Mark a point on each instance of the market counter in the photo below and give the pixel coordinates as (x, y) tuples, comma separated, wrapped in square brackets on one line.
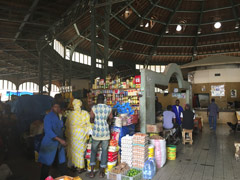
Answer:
[(224, 116)]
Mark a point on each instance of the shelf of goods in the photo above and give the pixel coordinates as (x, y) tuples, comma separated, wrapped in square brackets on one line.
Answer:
[(112, 96)]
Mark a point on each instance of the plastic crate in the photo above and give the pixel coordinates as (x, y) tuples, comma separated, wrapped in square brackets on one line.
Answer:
[(113, 176), (137, 177)]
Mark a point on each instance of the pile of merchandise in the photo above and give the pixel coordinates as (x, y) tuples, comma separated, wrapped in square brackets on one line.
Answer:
[(88, 157), (133, 82), (118, 171), (126, 115), (112, 154), (126, 150), (140, 150)]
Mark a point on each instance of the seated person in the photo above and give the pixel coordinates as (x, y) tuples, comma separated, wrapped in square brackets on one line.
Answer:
[(187, 117), (169, 118)]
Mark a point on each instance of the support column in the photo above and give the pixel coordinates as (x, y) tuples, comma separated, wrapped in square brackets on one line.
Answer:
[(107, 12), (93, 42), (50, 79), (40, 73), (70, 68), (64, 68)]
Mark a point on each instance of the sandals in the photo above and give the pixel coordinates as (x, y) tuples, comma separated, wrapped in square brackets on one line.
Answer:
[(90, 175), (81, 170), (101, 174)]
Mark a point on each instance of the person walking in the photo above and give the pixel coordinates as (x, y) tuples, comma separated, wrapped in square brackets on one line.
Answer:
[(100, 115), (78, 127), (213, 114), (53, 143)]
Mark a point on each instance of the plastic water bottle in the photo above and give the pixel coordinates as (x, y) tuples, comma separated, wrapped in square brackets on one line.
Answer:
[(154, 165), (148, 169)]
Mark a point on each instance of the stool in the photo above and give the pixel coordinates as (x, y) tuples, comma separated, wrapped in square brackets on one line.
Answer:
[(166, 133), (184, 132)]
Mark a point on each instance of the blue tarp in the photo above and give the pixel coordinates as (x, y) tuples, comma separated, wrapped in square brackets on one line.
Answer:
[(29, 109)]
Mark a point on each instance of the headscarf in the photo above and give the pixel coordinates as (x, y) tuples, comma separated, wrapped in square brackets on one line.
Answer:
[(77, 104)]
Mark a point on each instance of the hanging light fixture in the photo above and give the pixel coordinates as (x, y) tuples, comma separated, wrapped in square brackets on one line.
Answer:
[(199, 31), (167, 30), (147, 25), (127, 10), (237, 25), (178, 28), (217, 25), (141, 23)]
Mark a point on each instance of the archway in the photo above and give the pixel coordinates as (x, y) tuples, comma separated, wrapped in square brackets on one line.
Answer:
[(28, 88), (54, 89), (6, 89), (149, 80)]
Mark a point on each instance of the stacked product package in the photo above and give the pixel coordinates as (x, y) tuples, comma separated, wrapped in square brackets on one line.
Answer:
[(126, 149), (112, 154), (140, 150)]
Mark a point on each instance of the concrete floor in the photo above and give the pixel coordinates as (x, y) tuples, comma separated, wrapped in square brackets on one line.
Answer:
[(211, 157)]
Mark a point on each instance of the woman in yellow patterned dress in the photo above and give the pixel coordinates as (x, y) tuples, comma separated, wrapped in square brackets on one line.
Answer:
[(77, 129)]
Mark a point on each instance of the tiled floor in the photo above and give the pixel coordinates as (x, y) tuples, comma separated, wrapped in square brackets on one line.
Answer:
[(211, 157)]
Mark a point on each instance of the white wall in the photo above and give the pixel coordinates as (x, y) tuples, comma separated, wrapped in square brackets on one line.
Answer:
[(208, 76), (78, 84)]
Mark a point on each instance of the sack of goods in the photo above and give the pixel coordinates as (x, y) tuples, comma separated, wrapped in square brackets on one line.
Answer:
[(140, 150), (160, 150), (126, 147)]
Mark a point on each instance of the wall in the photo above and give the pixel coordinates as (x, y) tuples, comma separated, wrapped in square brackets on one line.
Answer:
[(167, 99), (221, 101), (224, 117), (228, 74), (78, 84)]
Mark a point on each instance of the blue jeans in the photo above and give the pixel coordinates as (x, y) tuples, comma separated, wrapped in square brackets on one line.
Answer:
[(212, 122), (94, 150)]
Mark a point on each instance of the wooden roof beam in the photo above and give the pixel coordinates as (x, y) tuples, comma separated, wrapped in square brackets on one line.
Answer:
[(235, 14), (26, 18), (145, 14), (194, 53), (161, 33), (189, 11)]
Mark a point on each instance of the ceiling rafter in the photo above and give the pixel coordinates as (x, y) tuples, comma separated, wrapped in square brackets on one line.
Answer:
[(145, 14), (235, 14), (26, 18), (194, 51), (88, 28), (189, 11), (161, 32)]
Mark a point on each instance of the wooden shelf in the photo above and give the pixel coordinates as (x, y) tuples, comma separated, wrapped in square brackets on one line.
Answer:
[(118, 89)]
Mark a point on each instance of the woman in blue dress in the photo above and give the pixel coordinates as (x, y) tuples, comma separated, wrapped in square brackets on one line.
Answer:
[(53, 143)]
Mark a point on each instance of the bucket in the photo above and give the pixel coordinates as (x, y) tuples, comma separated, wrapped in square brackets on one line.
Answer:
[(111, 165), (171, 152), (96, 168)]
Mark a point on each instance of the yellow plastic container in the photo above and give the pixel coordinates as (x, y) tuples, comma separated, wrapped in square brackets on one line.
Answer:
[(151, 151), (171, 152), (111, 165), (96, 168)]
